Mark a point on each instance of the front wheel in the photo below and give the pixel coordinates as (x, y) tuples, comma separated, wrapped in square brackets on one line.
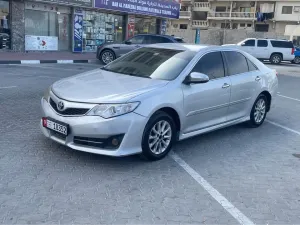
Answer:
[(107, 56), (276, 59), (258, 112), (159, 136)]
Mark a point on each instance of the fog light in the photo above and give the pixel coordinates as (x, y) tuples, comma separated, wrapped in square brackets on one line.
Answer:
[(115, 142)]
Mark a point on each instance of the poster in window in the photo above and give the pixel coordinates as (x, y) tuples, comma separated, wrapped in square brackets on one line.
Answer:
[(130, 26), (41, 43)]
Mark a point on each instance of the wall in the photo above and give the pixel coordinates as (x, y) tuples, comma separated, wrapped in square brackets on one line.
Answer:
[(295, 16), (18, 26), (220, 36)]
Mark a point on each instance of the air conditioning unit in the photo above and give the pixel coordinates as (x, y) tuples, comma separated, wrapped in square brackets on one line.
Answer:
[(296, 9)]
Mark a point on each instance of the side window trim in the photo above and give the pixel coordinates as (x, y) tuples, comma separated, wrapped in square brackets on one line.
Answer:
[(200, 57)]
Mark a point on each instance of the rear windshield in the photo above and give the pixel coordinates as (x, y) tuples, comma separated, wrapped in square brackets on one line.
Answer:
[(154, 63), (282, 44)]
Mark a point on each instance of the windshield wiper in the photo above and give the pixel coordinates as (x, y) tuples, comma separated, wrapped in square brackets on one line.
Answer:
[(135, 75)]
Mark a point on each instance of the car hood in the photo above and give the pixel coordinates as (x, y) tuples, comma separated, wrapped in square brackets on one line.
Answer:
[(99, 86), (230, 45)]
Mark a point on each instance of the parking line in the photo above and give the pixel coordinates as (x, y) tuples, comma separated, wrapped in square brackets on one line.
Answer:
[(228, 206), (8, 87), (283, 127), (295, 99)]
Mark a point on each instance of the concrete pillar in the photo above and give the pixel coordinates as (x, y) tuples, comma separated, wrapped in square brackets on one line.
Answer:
[(18, 26)]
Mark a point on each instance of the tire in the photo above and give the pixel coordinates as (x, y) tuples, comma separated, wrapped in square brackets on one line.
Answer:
[(276, 58), (107, 56), (156, 123), (256, 116), (297, 60)]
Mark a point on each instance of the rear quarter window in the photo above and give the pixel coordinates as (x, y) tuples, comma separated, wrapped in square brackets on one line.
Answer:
[(282, 44)]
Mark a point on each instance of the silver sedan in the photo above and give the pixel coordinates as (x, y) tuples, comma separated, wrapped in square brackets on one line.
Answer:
[(145, 101)]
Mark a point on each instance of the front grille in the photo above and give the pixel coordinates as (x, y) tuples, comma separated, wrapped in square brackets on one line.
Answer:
[(69, 111)]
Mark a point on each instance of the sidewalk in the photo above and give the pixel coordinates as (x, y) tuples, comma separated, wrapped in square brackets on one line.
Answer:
[(46, 57)]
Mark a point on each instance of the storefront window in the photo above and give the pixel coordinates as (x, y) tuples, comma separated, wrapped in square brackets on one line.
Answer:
[(99, 28), (4, 25), (145, 26), (50, 21)]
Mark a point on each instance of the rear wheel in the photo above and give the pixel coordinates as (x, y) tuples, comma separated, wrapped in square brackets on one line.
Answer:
[(159, 136), (107, 56), (297, 60), (276, 59), (259, 111)]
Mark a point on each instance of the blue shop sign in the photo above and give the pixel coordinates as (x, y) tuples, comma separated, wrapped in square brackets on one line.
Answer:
[(78, 31), (159, 8)]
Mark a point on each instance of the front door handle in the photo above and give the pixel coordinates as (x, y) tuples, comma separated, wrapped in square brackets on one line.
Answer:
[(257, 78), (226, 85)]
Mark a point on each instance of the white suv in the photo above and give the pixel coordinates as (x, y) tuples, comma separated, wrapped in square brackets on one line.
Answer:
[(268, 49)]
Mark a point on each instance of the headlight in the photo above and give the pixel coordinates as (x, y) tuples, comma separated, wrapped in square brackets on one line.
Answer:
[(47, 94), (111, 110)]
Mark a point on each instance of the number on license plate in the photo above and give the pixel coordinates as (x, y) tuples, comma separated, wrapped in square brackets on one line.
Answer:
[(55, 126)]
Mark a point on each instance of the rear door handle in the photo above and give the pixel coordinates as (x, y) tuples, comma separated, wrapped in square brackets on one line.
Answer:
[(226, 85), (257, 78)]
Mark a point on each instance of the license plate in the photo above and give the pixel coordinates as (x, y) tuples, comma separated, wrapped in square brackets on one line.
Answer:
[(57, 126)]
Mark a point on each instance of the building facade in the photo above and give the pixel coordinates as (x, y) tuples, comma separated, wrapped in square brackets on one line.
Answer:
[(78, 25), (277, 16)]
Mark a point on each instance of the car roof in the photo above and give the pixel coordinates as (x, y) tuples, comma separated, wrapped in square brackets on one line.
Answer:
[(160, 35), (191, 47), (270, 39)]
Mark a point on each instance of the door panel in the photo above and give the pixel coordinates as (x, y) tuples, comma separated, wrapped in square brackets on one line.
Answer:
[(244, 85), (262, 49), (205, 104)]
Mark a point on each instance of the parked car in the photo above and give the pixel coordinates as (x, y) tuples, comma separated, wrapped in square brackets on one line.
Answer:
[(297, 56), (153, 96), (268, 49), (106, 53)]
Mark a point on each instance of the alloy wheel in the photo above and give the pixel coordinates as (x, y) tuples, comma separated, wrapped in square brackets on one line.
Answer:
[(160, 137), (276, 59), (107, 57), (297, 60), (260, 110)]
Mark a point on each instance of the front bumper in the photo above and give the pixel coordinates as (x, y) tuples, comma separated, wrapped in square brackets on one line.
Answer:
[(131, 125)]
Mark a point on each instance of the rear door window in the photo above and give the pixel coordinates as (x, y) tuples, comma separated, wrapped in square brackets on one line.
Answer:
[(237, 63), (262, 43)]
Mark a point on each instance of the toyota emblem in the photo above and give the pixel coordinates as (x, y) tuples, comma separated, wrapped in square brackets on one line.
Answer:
[(60, 106)]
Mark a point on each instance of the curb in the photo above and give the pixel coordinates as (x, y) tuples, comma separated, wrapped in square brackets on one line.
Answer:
[(63, 61)]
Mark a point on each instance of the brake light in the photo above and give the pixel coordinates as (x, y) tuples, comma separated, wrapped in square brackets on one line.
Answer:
[(293, 51)]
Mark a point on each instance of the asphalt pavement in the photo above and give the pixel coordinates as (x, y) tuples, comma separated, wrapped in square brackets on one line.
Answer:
[(235, 175)]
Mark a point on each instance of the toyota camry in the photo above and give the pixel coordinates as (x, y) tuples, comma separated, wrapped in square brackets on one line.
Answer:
[(145, 101)]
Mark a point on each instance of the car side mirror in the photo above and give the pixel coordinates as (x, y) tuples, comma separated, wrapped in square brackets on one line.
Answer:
[(128, 42), (196, 78), (243, 44)]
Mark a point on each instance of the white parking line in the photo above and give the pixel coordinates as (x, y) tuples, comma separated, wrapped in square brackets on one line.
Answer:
[(283, 127), (295, 99), (8, 87), (228, 206)]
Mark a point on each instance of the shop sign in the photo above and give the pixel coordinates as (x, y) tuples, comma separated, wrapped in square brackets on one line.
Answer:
[(86, 3), (165, 9), (41, 43), (130, 26), (78, 32)]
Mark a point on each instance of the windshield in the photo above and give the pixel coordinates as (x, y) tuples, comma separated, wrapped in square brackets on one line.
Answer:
[(154, 63), (179, 40)]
